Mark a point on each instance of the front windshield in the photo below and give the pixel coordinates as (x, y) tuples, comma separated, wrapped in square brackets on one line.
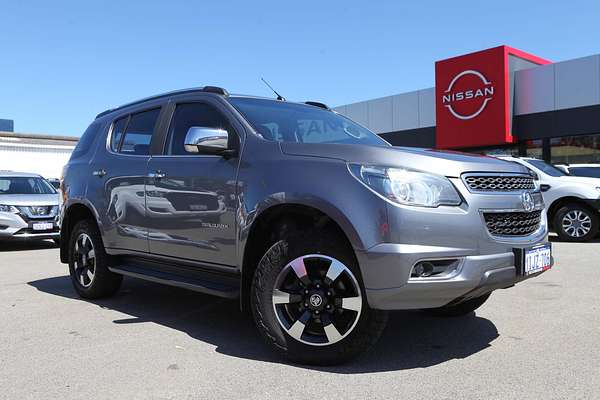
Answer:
[(290, 122), (546, 168), (24, 185), (589, 172)]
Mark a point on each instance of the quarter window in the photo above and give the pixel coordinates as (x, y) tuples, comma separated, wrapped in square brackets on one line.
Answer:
[(193, 114), (138, 133), (117, 133)]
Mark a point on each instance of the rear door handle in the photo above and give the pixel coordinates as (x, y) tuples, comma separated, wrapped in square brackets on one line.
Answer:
[(157, 175), (99, 172)]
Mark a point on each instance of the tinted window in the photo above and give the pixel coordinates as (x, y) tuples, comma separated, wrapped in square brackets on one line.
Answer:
[(546, 168), (25, 185), (590, 172), (193, 114), (138, 133), (86, 140), (117, 133), (291, 122)]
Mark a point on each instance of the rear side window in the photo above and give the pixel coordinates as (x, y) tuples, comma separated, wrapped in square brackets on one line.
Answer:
[(138, 133), (193, 114), (86, 140), (117, 133)]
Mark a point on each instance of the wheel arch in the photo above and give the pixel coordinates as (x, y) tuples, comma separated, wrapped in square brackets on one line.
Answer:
[(272, 223), (74, 213)]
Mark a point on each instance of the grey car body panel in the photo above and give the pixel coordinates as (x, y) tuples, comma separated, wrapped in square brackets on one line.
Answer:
[(388, 239), (451, 164)]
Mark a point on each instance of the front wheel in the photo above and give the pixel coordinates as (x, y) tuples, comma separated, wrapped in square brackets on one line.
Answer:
[(576, 223), (309, 304)]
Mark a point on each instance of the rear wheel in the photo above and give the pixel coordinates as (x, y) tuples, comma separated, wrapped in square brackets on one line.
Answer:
[(88, 263), (576, 223), (458, 310), (309, 304)]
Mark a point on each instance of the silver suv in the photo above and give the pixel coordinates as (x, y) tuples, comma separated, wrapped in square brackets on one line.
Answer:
[(28, 207), (316, 224)]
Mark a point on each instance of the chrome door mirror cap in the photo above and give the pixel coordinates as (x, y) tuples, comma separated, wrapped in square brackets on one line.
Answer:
[(206, 140)]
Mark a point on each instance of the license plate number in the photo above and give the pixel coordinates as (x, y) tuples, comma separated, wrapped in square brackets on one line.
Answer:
[(537, 259), (43, 226)]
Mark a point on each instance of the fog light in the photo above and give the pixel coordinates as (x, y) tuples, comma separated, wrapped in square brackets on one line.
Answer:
[(434, 268), (423, 269)]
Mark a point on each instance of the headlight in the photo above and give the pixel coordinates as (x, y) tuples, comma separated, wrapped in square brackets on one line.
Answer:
[(8, 209), (405, 186)]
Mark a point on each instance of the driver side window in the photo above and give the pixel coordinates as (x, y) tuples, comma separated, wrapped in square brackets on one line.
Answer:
[(193, 114)]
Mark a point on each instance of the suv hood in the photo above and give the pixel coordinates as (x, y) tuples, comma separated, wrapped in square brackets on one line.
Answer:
[(448, 163), (29, 199)]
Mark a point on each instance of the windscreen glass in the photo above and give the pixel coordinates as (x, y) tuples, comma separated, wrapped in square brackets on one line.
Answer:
[(546, 168), (290, 122), (25, 185)]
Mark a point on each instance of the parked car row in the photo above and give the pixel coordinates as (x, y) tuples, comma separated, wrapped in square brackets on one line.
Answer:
[(317, 225), (572, 203)]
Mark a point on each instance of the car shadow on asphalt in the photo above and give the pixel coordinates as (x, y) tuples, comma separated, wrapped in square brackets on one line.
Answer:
[(26, 245), (411, 340)]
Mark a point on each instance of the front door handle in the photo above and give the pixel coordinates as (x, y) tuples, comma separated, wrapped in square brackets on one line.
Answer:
[(99, 172), (157, 175)]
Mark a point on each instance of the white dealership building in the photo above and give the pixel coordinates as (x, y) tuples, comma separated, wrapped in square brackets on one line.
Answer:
[(42, 154)]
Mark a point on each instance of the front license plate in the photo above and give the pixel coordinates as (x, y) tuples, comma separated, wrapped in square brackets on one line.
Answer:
[(537, 259), (43, 226)]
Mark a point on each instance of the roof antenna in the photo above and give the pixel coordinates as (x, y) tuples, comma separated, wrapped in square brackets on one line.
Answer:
[(279, 97)]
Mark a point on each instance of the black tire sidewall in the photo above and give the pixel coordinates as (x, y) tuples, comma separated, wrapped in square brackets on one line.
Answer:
[(572, 207), (365, 333), (105, 282)]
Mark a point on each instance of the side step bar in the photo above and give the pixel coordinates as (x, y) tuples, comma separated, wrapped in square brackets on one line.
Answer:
[(226, 288)]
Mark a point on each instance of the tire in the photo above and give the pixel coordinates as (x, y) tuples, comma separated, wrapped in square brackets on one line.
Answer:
[(84, 239), (56, 241), (458, 310), (360, 329), (576, 223)]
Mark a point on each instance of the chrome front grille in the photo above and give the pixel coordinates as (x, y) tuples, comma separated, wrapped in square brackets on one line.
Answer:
[(498, 183), (512, 223)]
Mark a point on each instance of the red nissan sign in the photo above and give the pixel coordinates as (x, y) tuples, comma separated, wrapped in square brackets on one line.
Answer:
[(472, 102)]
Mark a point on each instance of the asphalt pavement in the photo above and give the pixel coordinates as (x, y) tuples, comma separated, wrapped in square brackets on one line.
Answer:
[(538, 340)]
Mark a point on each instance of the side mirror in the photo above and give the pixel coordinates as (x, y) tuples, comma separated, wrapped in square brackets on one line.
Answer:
[(207, 140)]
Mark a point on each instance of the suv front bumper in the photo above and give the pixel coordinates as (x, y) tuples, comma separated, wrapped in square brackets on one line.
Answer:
[(475, 275), (13, 226)]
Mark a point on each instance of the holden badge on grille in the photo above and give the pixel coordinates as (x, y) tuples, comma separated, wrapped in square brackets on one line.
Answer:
[(528, 202)]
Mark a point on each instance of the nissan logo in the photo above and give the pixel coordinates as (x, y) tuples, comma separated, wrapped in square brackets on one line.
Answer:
[(483, 93)]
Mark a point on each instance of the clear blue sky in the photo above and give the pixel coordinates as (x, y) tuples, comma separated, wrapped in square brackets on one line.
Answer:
[(63, 62)]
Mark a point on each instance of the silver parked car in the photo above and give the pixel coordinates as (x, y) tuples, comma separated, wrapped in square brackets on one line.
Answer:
[(316, 224), (28, 207)]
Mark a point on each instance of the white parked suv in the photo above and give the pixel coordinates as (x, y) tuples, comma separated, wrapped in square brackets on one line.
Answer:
[(573, 202)]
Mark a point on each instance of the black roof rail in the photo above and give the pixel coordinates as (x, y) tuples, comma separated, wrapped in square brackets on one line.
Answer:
[(207, 89), (215, 89), (317, 104)]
